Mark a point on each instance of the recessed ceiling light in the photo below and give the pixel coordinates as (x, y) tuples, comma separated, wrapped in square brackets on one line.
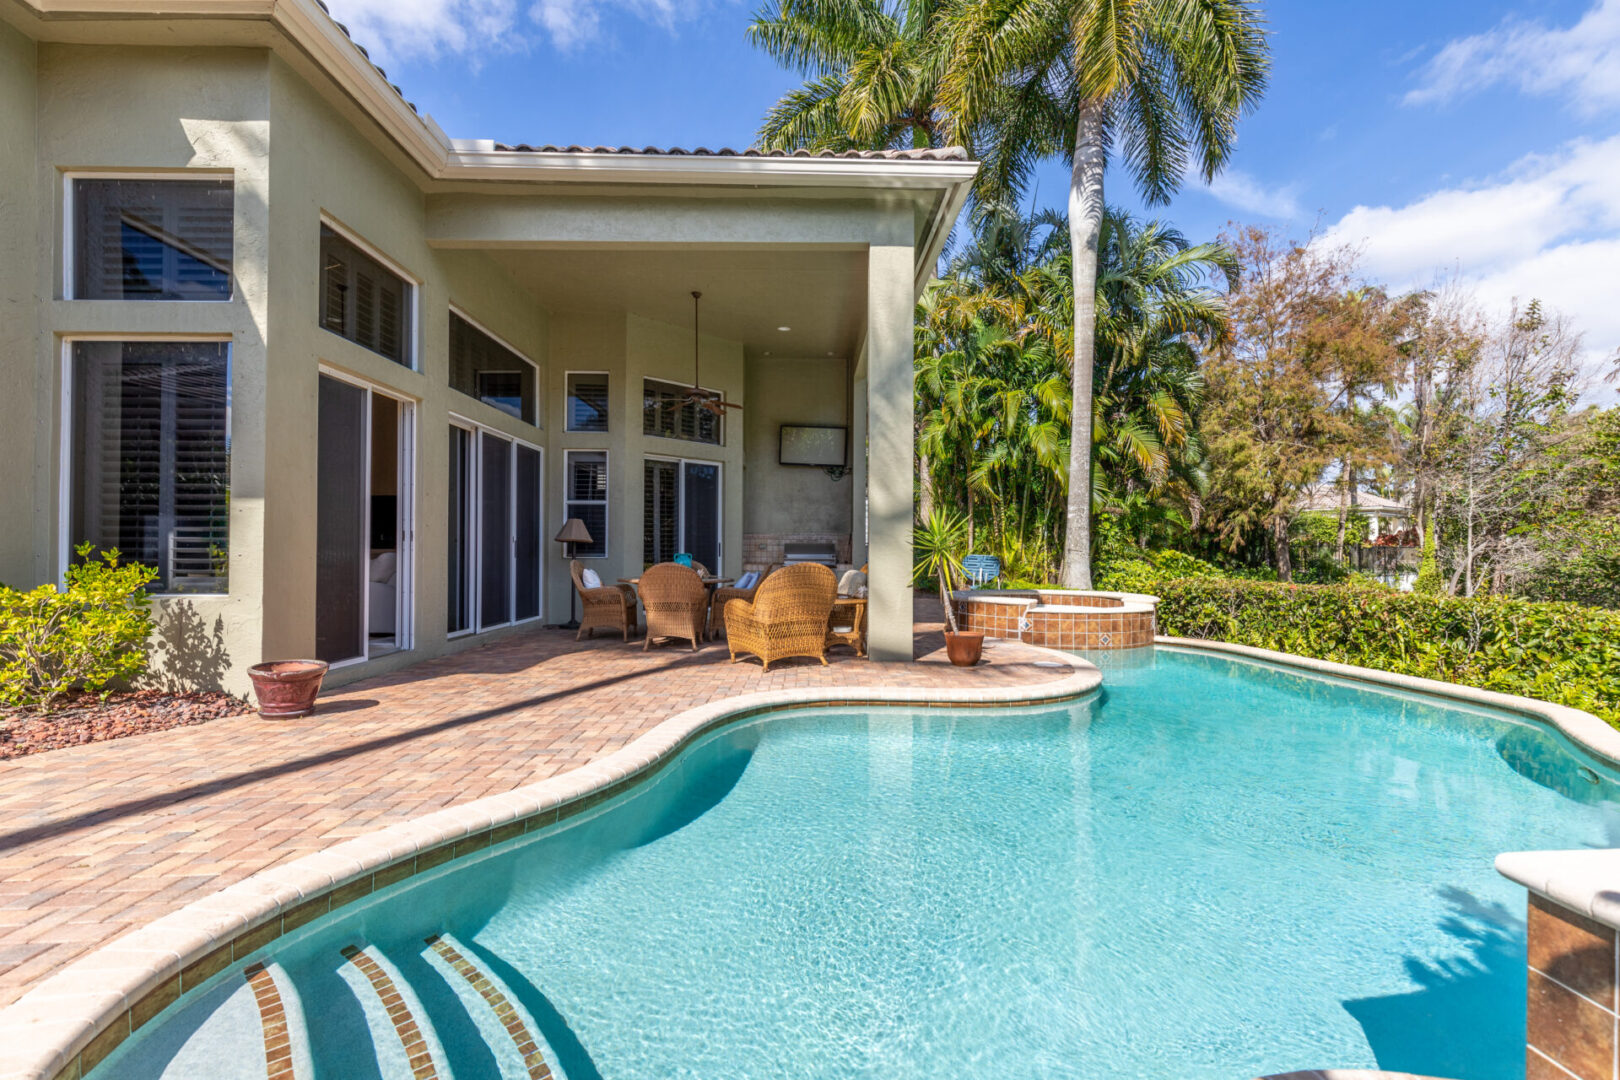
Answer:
[(784, 329)]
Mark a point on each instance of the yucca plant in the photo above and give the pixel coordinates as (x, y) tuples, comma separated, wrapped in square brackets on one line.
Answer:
[(938, 543)]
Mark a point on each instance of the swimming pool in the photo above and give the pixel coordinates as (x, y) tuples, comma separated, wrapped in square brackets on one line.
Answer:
[(1214, 868)]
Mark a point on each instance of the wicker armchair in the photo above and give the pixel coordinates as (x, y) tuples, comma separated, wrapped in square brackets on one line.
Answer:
[(676, 603), (787, 617), (727, 593), (606, 605), (847, 625)]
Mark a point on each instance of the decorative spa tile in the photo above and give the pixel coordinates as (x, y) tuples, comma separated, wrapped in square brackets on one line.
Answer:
[(415, 1046), (1570, 1030), (1572, 950), (505, 1013)]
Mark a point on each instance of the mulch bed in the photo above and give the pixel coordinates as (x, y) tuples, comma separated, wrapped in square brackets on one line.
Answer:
[(83, 718)]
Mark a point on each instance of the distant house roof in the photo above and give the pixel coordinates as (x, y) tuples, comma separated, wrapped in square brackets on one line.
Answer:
[(1325, 497), (947, 153)]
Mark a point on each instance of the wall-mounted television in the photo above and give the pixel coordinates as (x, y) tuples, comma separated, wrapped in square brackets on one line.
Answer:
[(819, 446)]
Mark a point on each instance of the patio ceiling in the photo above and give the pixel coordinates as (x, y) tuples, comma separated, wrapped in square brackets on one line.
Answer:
[(819, 293)]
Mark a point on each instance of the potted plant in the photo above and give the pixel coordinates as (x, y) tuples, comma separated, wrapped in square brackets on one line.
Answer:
[(938, 545), (287, 688)]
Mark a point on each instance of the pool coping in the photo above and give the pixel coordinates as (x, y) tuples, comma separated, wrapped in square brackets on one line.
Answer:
[(1130, 603), (69, 1022), (1585, 880)]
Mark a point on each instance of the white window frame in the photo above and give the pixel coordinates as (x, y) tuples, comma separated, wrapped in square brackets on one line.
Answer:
[(475, 565), (608, 375), (539, 388), (607, 500), (720, 420), (680, 504), (413, 328), (64, 453), (404, 499), (70, 237)]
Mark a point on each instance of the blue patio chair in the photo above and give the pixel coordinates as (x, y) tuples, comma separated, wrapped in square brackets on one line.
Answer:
[(982, 569)]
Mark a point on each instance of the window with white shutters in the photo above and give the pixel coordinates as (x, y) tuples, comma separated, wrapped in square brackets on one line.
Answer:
[(151, 239), (585, 480), (151, 457), (668, 412), (364, 301), (587, 401)]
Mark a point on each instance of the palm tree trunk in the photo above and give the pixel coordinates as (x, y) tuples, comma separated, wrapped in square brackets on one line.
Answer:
[(1085, 229)]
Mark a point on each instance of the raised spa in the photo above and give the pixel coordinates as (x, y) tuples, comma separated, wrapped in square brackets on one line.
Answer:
[(1211, 869)]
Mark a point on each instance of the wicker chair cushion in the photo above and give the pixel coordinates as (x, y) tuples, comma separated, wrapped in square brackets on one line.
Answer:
[(590, 579), (851, 581), (747, 580)]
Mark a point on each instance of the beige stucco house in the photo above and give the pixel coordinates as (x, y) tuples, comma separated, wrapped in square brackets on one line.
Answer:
[(342, 378)]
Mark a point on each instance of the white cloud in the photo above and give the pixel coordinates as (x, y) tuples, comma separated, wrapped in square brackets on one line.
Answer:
[(1582, 61), (393, 30), (1241, 191), (1548, 227)]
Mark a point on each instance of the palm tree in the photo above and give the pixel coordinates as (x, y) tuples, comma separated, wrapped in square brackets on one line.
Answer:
[(872, 74), (1160, 83)]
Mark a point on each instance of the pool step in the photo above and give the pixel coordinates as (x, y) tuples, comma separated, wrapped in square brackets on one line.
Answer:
[(406, 1043), (506, 1026), (281, 1022)]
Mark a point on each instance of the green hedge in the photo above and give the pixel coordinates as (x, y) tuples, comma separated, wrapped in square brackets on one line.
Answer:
[(1563, 653)]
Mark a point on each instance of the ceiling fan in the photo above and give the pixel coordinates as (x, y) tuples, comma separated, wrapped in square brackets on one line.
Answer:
[(709, 400)]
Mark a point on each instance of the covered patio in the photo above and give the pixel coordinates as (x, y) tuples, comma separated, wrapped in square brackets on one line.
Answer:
[(807, 272)]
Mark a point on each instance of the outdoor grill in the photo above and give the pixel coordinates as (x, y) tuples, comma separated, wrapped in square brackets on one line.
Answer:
[(813, 551)]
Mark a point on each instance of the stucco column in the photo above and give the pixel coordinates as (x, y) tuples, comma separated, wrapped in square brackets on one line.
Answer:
[(857, 472), (890, 472)]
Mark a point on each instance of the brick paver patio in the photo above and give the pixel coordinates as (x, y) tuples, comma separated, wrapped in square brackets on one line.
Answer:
[(98, 839)]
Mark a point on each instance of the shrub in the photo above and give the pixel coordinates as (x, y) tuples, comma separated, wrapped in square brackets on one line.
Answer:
[(1558, 652), (86, 636)]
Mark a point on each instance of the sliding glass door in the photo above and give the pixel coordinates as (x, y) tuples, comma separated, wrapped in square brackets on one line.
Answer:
[(340, 522), (495, 531), (497, 536), (681, 511), (363, 521)]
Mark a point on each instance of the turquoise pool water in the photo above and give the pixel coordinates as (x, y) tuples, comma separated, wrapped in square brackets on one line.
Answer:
[(1214, 869)]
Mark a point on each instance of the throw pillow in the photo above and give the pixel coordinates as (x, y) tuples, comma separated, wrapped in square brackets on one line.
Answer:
[(590, 579)]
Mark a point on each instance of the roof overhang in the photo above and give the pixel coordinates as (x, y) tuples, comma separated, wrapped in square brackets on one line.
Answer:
[(941, 186)]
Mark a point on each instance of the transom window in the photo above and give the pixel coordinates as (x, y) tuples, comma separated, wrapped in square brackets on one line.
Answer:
[(587, 401), (364, 301), (668, 412), (151, 239), (585, 493), (483, 368), (151, 458)]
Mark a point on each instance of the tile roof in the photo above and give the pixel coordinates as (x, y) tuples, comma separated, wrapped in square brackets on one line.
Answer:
[(948, 153)]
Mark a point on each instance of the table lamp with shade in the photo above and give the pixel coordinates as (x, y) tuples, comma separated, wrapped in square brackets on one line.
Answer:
[(572, 534)]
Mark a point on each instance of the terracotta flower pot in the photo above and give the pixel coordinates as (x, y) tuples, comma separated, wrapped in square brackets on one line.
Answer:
[(964, 647), (287, 687)]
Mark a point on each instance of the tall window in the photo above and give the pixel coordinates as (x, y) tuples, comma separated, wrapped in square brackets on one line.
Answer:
[(151, 457), (483, 368), (151, 239), (585, 492), (667, 411), (587, 401), (363, 300)]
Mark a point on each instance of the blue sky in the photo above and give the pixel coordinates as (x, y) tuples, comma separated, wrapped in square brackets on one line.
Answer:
[(1469, 138)]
